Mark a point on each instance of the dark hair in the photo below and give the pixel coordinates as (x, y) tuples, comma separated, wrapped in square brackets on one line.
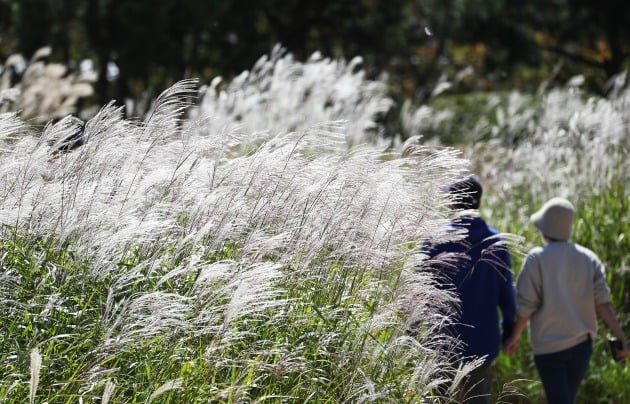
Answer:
[(467, 193)]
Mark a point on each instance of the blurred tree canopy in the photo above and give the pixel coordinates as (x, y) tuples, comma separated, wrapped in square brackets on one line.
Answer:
[(477, 44)]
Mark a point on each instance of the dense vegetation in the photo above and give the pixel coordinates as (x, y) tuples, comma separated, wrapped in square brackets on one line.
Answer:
[(207, 258), (252, 245), (257, 236)]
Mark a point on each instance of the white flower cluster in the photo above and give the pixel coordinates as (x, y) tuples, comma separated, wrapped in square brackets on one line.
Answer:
[(282, 190), (282, 95), (576, 147)]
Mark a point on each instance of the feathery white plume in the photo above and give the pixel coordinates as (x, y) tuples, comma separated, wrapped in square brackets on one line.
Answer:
[(36, 367)]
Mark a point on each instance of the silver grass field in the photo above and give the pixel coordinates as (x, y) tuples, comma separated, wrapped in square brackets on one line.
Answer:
[(259, 240)]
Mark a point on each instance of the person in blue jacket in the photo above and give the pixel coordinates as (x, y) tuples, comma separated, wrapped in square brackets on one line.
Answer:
[(478, 270)]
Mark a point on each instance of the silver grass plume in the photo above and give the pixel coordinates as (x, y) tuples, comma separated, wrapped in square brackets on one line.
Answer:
[(167, 110), (561, 142), (281, 94), (577, 148), (10, 390), (168, 386), (252, 291), (45, 91), (36, 367), (108, 391), (153, 203), (461, 372)]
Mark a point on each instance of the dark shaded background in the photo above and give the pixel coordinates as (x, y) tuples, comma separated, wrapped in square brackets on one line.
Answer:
[(507, 44)]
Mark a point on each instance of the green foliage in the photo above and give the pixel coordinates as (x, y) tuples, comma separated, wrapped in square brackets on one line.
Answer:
[(475, 118), (468, 110), (46, 304), (52, 301)]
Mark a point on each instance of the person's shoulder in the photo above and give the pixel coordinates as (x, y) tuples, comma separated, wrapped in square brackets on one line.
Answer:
[(492, 230), (584, 250), (536, 251), (587, 252), (534, 254)]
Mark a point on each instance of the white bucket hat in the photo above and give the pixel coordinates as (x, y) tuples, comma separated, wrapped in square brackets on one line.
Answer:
[(555, 219)]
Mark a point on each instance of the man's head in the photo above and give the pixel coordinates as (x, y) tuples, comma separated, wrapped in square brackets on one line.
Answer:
[(555, 219), (467, 194)]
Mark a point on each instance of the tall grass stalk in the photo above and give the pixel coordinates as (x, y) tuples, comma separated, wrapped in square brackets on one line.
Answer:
[(36, 368), (240, 264)]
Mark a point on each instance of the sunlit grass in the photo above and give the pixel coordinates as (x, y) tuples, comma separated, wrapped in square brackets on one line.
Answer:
[(256, 251), (171, 260)]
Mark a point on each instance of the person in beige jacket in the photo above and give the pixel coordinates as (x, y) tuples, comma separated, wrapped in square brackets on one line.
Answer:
[(561, 290)]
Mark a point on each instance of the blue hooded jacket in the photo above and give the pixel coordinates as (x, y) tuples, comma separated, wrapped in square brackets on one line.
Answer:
[(478, 269)]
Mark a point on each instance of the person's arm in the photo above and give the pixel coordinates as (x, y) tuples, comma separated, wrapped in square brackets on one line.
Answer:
[(509, 347), (606, 312), (527, 299)]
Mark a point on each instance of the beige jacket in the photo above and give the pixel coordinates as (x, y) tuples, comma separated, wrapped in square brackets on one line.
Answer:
[(559, 286)]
